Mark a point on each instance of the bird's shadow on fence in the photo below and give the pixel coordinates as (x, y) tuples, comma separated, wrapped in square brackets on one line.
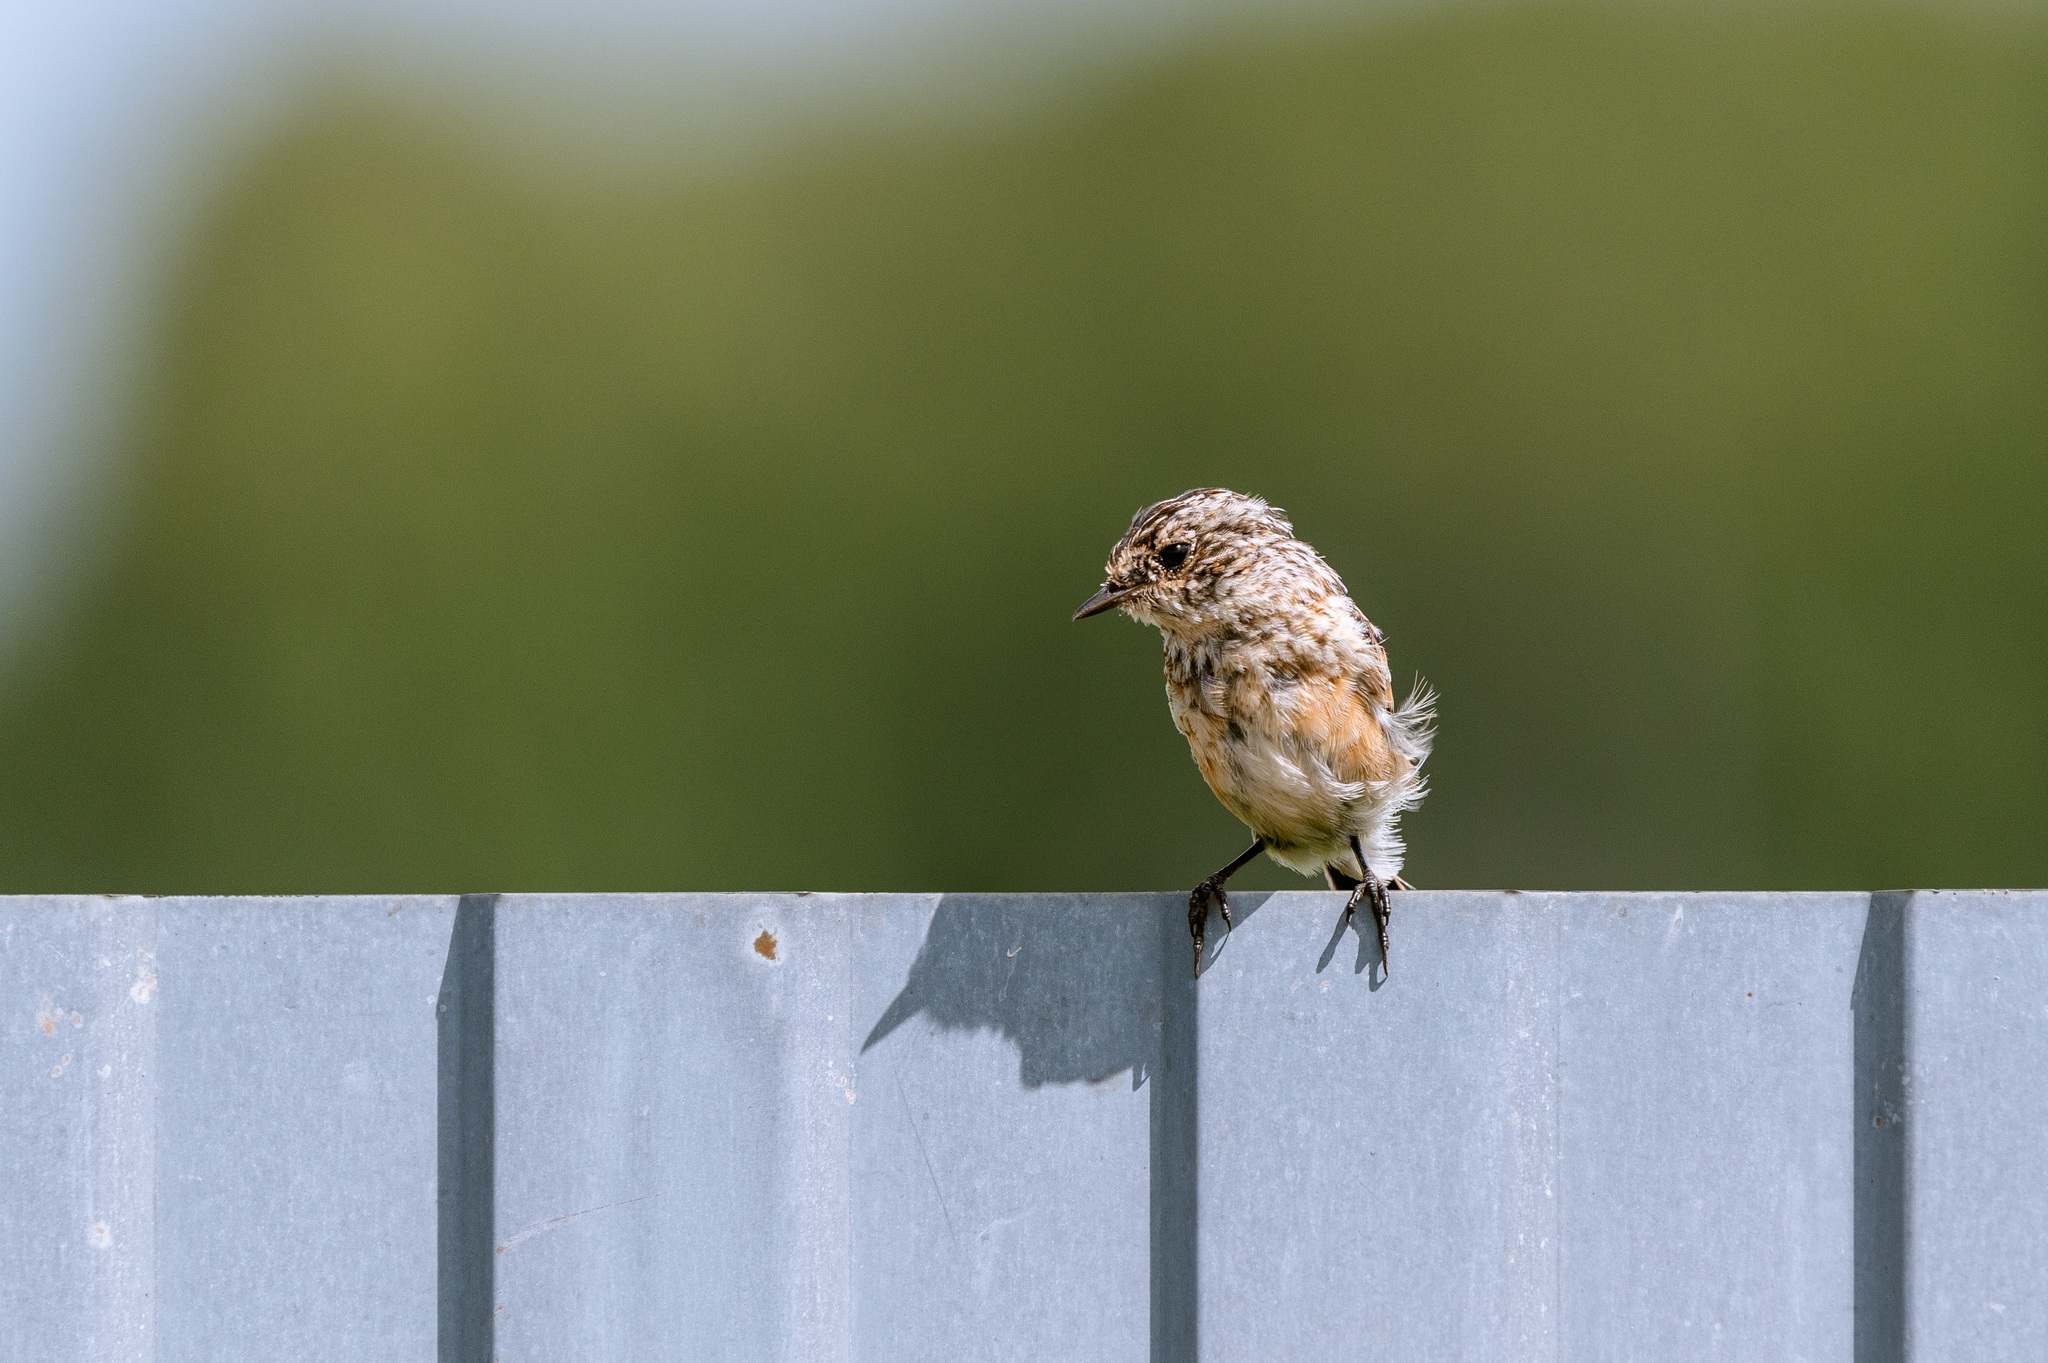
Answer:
[(1368, 948), (1087, 988)]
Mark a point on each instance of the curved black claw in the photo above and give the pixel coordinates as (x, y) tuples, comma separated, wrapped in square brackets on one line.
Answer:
[(1198, 914), (1372, 891), (1381, 911)]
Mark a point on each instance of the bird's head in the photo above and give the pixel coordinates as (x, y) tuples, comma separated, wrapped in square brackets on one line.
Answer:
[(1209, 560)]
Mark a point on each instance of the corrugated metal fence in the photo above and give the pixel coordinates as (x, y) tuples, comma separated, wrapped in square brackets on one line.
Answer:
[(899, 1127)]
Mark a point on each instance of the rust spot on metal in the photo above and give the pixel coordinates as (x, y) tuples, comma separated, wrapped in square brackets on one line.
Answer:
[(765, 944)]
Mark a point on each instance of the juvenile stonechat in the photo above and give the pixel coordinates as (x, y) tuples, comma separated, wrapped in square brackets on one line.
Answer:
[(1280, 686)]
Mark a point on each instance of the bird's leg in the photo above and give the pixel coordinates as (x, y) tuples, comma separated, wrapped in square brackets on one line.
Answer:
[(1373, 891), (1212, 888)]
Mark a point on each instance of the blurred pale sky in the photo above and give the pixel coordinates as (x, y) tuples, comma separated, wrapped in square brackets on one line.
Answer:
[(113, 116)]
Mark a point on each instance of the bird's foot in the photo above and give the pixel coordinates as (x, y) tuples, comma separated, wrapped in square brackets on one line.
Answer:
[(1198, 913), (1371, 891)]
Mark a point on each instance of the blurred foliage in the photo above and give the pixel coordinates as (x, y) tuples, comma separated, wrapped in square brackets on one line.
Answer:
[(1670, 384)]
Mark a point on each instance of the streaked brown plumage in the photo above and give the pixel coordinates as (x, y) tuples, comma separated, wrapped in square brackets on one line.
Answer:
[(1280, 685)]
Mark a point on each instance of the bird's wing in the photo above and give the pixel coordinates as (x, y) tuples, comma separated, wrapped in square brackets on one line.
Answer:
[(1334, 721)]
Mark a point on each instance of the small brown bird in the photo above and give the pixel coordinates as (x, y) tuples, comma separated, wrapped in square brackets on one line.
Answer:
[(1280, 685)]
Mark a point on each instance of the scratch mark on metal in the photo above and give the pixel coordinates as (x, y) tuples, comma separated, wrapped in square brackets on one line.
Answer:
[(930, 1172), (560, 1221)]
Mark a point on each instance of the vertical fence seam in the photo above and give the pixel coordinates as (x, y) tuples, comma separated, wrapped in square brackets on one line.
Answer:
[(466, 1119), (1883, 1131)]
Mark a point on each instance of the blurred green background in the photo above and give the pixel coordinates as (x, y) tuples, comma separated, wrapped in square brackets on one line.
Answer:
[(1670, 383)]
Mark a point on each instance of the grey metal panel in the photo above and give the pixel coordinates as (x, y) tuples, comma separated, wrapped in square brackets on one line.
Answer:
[(295, 1149), (78, 1091), (1706, 1144), (696, 1159), (1976, 1125), (1584, 1127), (1377, 1160), (1003, 1140), (673, 1127), (219, 1138)]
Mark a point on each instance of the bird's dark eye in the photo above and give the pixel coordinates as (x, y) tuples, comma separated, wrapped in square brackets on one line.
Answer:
[(1173, 555)]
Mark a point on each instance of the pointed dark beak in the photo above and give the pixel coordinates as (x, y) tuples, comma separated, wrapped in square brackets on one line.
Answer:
[(1103, 600)]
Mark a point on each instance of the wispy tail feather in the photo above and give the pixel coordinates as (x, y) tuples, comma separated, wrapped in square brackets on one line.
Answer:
[(1413, 726)]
